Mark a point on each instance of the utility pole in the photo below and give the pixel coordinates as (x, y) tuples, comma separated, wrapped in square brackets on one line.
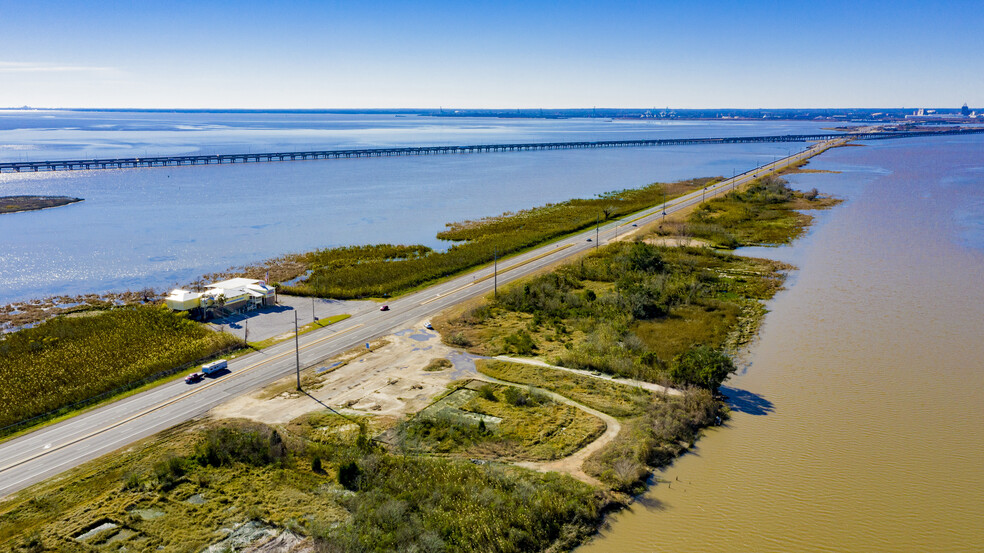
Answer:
[(597, 230), (703, 194), (246, 336), (313, 317), (664, 204), (495, 273), (297, 352)]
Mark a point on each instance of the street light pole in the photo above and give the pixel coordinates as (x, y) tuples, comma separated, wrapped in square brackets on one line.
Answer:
[(597, 230), (495, 272), (297, 352)]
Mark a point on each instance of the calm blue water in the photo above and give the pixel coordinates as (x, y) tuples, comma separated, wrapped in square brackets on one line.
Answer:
[(166, 226), (940, 181)]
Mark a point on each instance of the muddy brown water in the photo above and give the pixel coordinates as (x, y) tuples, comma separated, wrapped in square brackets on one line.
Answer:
[(859, 414)]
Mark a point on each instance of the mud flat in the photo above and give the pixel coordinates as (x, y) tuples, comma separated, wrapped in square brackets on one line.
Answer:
[(16, 204)]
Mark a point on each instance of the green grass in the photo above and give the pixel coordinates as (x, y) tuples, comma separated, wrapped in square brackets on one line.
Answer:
[(612, 398), (69, 359), (706, 323), (382, 270), (176, 491), (665, 430), (502, 422), (763, 213), (627, 309), (655, 428), (69, 413)]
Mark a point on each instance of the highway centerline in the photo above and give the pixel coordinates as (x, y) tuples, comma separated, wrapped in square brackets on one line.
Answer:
[(67, 459), (173, 400)]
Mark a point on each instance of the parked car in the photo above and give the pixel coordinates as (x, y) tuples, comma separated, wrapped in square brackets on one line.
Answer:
[(384, 308), (429, 326), (193, 377)]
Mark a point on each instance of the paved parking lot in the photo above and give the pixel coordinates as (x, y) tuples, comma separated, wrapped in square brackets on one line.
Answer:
[(279, 319)]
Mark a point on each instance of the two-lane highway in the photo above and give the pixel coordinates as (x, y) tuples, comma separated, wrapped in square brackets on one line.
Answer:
[(59, 447)]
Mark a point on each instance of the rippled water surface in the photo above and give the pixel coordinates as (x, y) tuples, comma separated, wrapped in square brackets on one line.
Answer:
[(164, 226), (859, 418)]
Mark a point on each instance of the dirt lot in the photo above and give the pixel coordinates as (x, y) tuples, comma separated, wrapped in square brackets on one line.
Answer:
[(389, 380)]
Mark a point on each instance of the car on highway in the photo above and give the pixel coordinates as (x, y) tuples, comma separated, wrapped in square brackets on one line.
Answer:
[(384, 308), (589, 240), (193, 377)]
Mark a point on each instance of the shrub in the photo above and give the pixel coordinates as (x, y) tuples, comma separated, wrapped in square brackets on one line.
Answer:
[(348, 475), (132, 481), (703, 367), (520, 342), (256, 446), (168, 472), (432, 505), (522, 397), (438, 364), (487, 392)]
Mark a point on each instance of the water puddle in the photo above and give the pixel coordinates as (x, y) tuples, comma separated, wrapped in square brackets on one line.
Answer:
[(101, 527)]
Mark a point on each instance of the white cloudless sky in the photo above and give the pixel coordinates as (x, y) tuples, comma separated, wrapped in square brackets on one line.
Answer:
[(714, 54)]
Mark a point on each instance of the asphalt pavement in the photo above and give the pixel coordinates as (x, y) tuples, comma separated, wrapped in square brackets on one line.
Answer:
[(56, 448)]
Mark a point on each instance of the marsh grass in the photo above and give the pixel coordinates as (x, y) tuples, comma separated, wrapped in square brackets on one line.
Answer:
[(386, 269), (69, 359), (669, 426), (708, 322), (766, 212), (616, 399), (627, 309), (164, 498), (501, 422)]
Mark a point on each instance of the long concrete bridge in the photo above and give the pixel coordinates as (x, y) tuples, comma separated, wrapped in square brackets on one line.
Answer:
[(175, 161)]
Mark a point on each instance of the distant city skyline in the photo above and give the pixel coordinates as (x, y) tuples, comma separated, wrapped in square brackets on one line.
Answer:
[(310, 55)]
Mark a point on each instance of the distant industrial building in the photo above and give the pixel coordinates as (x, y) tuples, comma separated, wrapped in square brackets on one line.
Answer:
[(236, 295), (933, 116)]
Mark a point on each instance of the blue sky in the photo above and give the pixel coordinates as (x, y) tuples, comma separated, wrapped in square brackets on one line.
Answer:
[(246, 54)]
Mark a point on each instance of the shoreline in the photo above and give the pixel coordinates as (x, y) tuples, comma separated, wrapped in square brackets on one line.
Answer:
[(9, 204), (608, 504)]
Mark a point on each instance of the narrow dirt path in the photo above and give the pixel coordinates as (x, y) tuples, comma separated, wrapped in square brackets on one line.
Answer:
[(626, 381), (572, 464)]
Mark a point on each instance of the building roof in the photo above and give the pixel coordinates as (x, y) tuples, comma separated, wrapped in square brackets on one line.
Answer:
[(261, 288), (183, 295), (234, 283)]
